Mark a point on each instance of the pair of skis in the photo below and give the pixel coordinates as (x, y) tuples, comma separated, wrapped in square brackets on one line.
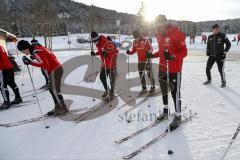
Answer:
[(146, 96), (92, 110), (153, 141), (35, 119), (87, 112)]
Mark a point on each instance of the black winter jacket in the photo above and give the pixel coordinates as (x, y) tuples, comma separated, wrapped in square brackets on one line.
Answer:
[(215, 46)]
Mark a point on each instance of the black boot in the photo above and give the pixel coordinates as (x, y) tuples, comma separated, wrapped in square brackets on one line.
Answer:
[(105, 94), (50, 113), (175, 123), (5, 105), (143, 91), (223, 84), (152, 90), (164, 115), (17, 100), (60, 110), (111, 94), (207, 82)]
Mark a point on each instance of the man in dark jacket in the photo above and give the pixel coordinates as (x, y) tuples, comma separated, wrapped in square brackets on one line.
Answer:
[(217, 53)]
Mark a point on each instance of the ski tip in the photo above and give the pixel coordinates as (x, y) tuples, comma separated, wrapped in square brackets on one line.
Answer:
[(126, 157), (118, 141), (129, 156)]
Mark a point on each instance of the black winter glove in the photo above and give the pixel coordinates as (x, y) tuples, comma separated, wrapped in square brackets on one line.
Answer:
[(93, 53), (26, 61), (224, 55), (149, 55), (32, 57), (128, 52), (168, 56), (104, 53)]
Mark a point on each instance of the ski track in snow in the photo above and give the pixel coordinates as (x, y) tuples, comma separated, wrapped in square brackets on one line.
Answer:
[(204, 138)]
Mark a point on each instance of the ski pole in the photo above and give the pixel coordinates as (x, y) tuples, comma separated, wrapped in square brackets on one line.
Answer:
[(129, 79), (149, 76), (92, 72), (105, 68), (231, 142), (39, 106), (168, 108), (23, 72)]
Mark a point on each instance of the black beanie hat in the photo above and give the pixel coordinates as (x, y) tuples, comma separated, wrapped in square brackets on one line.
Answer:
[(35, 42), (136, 34), (161, 20), (215, 26), (22, 45), (94, 36)]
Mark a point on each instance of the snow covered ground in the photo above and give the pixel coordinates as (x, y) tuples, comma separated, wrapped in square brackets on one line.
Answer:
[(205, 137)]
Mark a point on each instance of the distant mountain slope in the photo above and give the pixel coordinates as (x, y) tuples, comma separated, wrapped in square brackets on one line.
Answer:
[(57, 17)]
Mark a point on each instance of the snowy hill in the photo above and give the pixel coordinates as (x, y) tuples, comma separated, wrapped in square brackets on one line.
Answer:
[(205, 137)]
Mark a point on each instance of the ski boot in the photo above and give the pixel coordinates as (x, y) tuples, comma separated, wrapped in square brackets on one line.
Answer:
[(164, 115), (17, 100), (110, 97), (152, 90), (175, 123), (60, 110), (143, 91), (223, 84), (50, 113), (5, 105), (105, 95), (207, 82)]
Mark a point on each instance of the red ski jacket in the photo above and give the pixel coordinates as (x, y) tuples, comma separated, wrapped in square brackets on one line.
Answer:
[(238, 37), (45, 59), (106, 46), (174, 42), (141, 46), (4, 61)]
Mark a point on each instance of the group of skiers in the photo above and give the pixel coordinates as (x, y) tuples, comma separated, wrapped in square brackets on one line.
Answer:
[(172, 50)]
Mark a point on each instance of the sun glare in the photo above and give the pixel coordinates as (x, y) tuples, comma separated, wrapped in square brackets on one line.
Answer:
[(149, 17)]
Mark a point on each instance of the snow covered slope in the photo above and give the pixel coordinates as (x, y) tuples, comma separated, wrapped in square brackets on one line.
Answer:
[(205, 137)]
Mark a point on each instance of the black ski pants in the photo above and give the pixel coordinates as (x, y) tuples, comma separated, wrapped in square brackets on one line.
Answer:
[(55, 87), (111, 73), (7, 79), (142, 67), (174, 86), (220, 64)]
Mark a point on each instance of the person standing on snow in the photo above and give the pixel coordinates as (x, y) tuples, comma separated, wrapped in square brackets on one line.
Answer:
[(7, 78), (172, 50), (46, 60), (144, 49), (217, 53), (35, 42), (108, 54), (238, 37)]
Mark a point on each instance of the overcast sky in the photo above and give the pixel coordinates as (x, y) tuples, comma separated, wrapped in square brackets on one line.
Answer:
[(193, 10)]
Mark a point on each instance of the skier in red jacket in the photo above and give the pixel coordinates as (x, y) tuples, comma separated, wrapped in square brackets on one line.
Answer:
[(172, 50), (35, 42), (143, 47), (108, 54), (238, 39), (47, 60), (7, 78)]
